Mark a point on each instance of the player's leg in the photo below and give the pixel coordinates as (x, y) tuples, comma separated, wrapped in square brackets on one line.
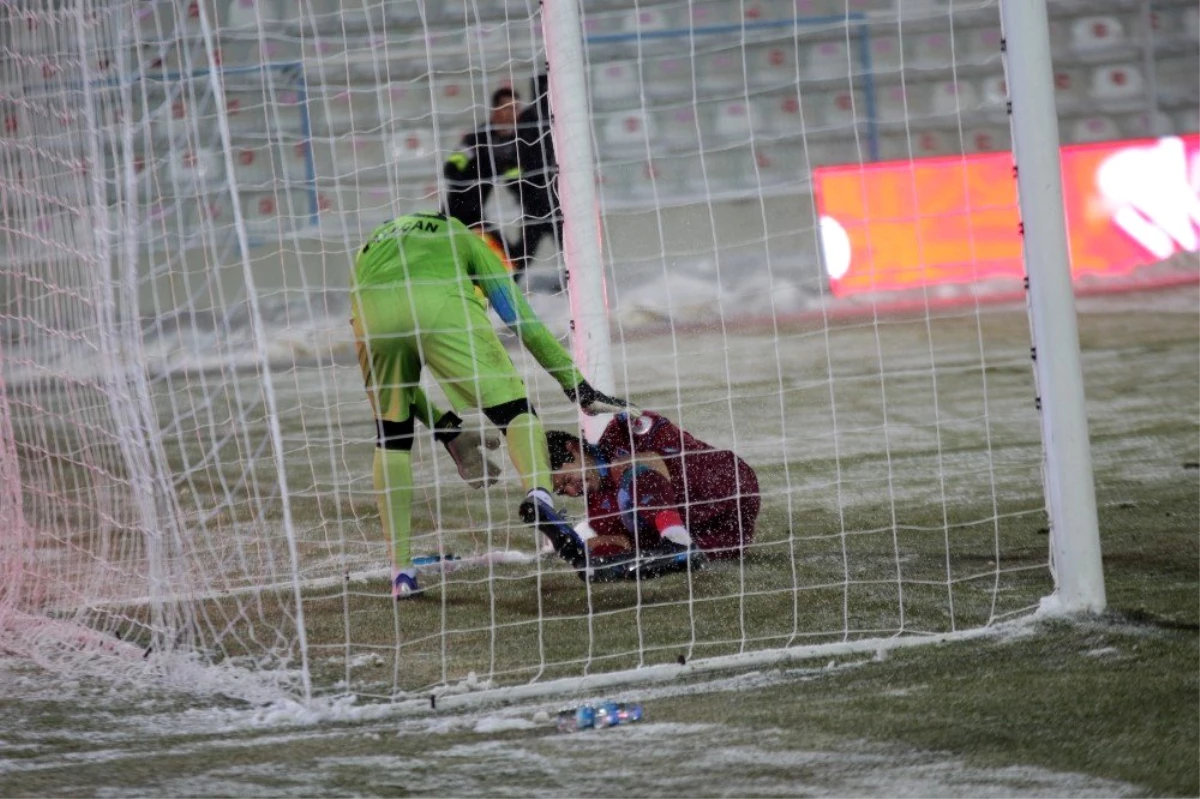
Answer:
[(475, 371), (727, 535), (391, 367)]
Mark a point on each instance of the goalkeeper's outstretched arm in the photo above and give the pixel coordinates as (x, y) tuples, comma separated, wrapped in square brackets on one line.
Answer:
[(490, 275)]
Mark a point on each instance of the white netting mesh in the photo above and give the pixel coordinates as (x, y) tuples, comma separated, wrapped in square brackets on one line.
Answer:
[(186, 450)]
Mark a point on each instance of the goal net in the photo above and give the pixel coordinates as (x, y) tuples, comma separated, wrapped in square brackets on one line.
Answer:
[(186, 459)]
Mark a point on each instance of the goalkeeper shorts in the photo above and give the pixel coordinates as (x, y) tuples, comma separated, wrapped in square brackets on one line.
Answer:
[(398, 330)]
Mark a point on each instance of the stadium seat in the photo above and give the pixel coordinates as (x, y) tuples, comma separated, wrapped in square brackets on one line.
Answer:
[(342, 110), (1068, 91), (268, 214), (979, 45), (678, 129), (644, 19), (404, 104), (722, 72), (628, 132), (895, 103), (351, 157), (414, 151), (248, 114), (668, 78), (254, 168), (455, 96), (773, 66), (614, 85), (14, 120), (915, 144), (953, 98), (930, 51), (782, 118), (708, 14), (827, 60), (192, 169), (987, 140), (734, 121), (885, 55), (993, 96), (637, 179), (1115, 86), (838, 111), (1146, 124), (819, 8), (1178, 80), (778, 165), (253, 15), (1096, 35), (1094, 128), (294, 154)]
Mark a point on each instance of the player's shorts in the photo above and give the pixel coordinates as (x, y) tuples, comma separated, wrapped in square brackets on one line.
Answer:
[(398, 329), (726, 535)]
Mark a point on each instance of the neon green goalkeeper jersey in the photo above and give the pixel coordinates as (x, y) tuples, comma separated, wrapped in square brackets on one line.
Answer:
[(430, 257)]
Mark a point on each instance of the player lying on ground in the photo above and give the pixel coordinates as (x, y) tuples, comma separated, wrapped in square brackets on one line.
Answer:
[(415, 305), (654, 489)]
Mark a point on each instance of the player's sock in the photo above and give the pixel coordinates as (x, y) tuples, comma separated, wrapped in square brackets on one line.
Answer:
[(393, 493), (527, 449)]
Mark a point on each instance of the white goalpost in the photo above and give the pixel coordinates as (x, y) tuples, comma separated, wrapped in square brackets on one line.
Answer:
[(774, 233)]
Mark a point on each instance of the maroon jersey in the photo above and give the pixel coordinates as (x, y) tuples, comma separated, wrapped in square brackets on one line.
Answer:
[(713, 492)]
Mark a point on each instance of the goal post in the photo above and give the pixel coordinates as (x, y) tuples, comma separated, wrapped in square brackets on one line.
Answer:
[(786, 226), (1070, 492)]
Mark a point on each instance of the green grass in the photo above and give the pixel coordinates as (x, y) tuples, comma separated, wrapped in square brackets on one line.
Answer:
[(1111, 698)]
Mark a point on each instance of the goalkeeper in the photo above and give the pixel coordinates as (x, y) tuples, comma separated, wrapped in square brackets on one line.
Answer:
[(414, 305), (653, 491)]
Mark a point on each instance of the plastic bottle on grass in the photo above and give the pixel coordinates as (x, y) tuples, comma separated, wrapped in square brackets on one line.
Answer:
[(605, 714)]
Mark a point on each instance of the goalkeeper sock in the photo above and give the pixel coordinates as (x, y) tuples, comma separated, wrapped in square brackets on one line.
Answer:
[(529, 453), (394, 493)]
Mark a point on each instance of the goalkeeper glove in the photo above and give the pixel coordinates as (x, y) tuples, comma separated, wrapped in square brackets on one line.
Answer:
[(594, 403), (466, 448)]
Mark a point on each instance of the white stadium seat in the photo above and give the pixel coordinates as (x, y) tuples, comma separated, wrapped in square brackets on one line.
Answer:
[(951, 98), (343, 110), (988, 140), (735, 121), (781, 116), (193, 168), (1146, 124), (678, 128), (628, 133), (1096, 35), (827, 60), (722, 72), (254, 167), (350, 157), (614, 85), (413, 151), (253, 15), (1068, 91), (668, 78), (404, 104), (839, 110), (980, 45), (773, 67), (895, 103), (1094, 128), (886, 55), (993, 96), (930, 51), (1117, 85)]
